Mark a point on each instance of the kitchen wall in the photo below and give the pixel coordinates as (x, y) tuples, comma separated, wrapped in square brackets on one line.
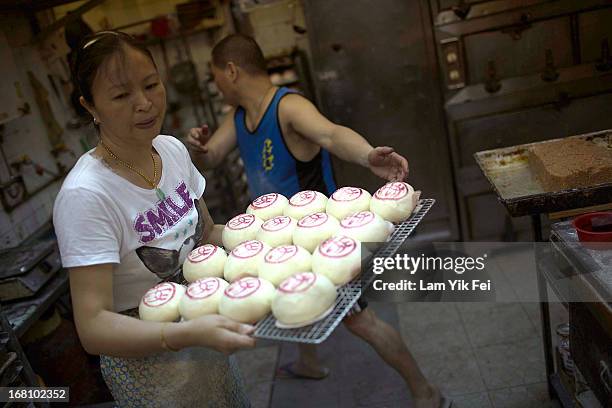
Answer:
[(28, 135), (272, 26)]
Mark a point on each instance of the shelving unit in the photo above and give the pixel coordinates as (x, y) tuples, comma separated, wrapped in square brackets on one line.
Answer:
[(291, 70), (15, 370)]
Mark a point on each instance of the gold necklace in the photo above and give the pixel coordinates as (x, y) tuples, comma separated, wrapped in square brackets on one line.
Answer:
[(158, 191)]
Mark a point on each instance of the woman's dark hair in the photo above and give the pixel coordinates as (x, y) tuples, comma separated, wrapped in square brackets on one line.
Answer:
[(93, 51)]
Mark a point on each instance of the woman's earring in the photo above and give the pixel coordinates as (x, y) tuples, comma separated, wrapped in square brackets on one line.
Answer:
[(96, 122)]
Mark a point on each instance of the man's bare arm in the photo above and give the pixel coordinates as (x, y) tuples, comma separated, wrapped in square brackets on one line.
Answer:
[(303, 117), (207, 152)]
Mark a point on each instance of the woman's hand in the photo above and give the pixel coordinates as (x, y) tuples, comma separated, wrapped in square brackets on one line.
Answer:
[(387, 164), (220, 333)]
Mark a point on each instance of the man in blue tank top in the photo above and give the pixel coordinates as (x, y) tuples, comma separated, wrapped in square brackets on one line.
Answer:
[(285, 144)]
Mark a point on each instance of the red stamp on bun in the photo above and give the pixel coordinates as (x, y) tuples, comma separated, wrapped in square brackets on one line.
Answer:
[(277, 223), (241, 221), (347, 194), (159, 295), (243, 288), (392, 191), (248, 249), (203, 288), (202, 253), (300, 282), (313, 220), (358, 219), (338, 247), (264, 201), (281, 254), (303, 198)]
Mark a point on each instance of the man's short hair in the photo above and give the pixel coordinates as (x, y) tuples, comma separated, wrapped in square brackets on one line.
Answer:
[(242, 51)]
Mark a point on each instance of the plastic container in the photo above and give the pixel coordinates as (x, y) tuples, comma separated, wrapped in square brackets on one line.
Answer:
[(595, 227)]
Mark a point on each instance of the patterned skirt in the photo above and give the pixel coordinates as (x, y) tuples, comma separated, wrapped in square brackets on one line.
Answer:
[(192, 377)]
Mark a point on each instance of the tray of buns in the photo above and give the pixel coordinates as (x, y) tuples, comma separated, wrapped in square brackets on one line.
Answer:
[(348, 294), (519, 175)]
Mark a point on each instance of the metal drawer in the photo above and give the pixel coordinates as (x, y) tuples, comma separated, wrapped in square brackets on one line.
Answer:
[(518, 51)]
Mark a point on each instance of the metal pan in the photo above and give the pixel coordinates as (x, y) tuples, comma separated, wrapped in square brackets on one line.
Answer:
[(517, 188)]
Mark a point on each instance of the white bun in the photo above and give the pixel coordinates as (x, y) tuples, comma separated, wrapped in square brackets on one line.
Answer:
[(304, 203), (394, 201), (268, 206), (244, 260), (277, 231), (303, 297), (161, 302), (365, 226), (247, 300), (338, 258), (314, 229), (242, 227), (348, 200), (203, 262), (202, 298), (282, 262)]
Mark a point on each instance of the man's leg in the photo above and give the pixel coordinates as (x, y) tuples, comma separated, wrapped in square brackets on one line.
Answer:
[(391, 348), (307, 366)]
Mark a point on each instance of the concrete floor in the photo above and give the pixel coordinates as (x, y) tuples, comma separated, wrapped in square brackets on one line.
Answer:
[(484, 355)]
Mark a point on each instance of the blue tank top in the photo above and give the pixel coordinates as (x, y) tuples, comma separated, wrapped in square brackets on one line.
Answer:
[(270, 166)]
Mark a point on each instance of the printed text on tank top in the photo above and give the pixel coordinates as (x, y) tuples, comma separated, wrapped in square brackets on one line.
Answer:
[(159, 295), (357, 220), (203, 288), (248, 249), (241, 221), (392, 191), (313, 220), (300, 282), (276, 224), (202, 253), (281, 254), (347, 194), (338, 247), (243, 288)]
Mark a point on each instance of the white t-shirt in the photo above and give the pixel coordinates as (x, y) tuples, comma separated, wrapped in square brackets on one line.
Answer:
[(101, 218)]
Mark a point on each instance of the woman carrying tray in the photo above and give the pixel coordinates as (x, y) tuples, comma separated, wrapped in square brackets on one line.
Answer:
[(126, 217)]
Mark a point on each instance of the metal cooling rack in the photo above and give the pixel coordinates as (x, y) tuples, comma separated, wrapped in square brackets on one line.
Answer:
[(348, 294)]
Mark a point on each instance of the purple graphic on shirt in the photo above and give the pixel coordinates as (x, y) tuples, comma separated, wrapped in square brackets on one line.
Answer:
[(153, 222)]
